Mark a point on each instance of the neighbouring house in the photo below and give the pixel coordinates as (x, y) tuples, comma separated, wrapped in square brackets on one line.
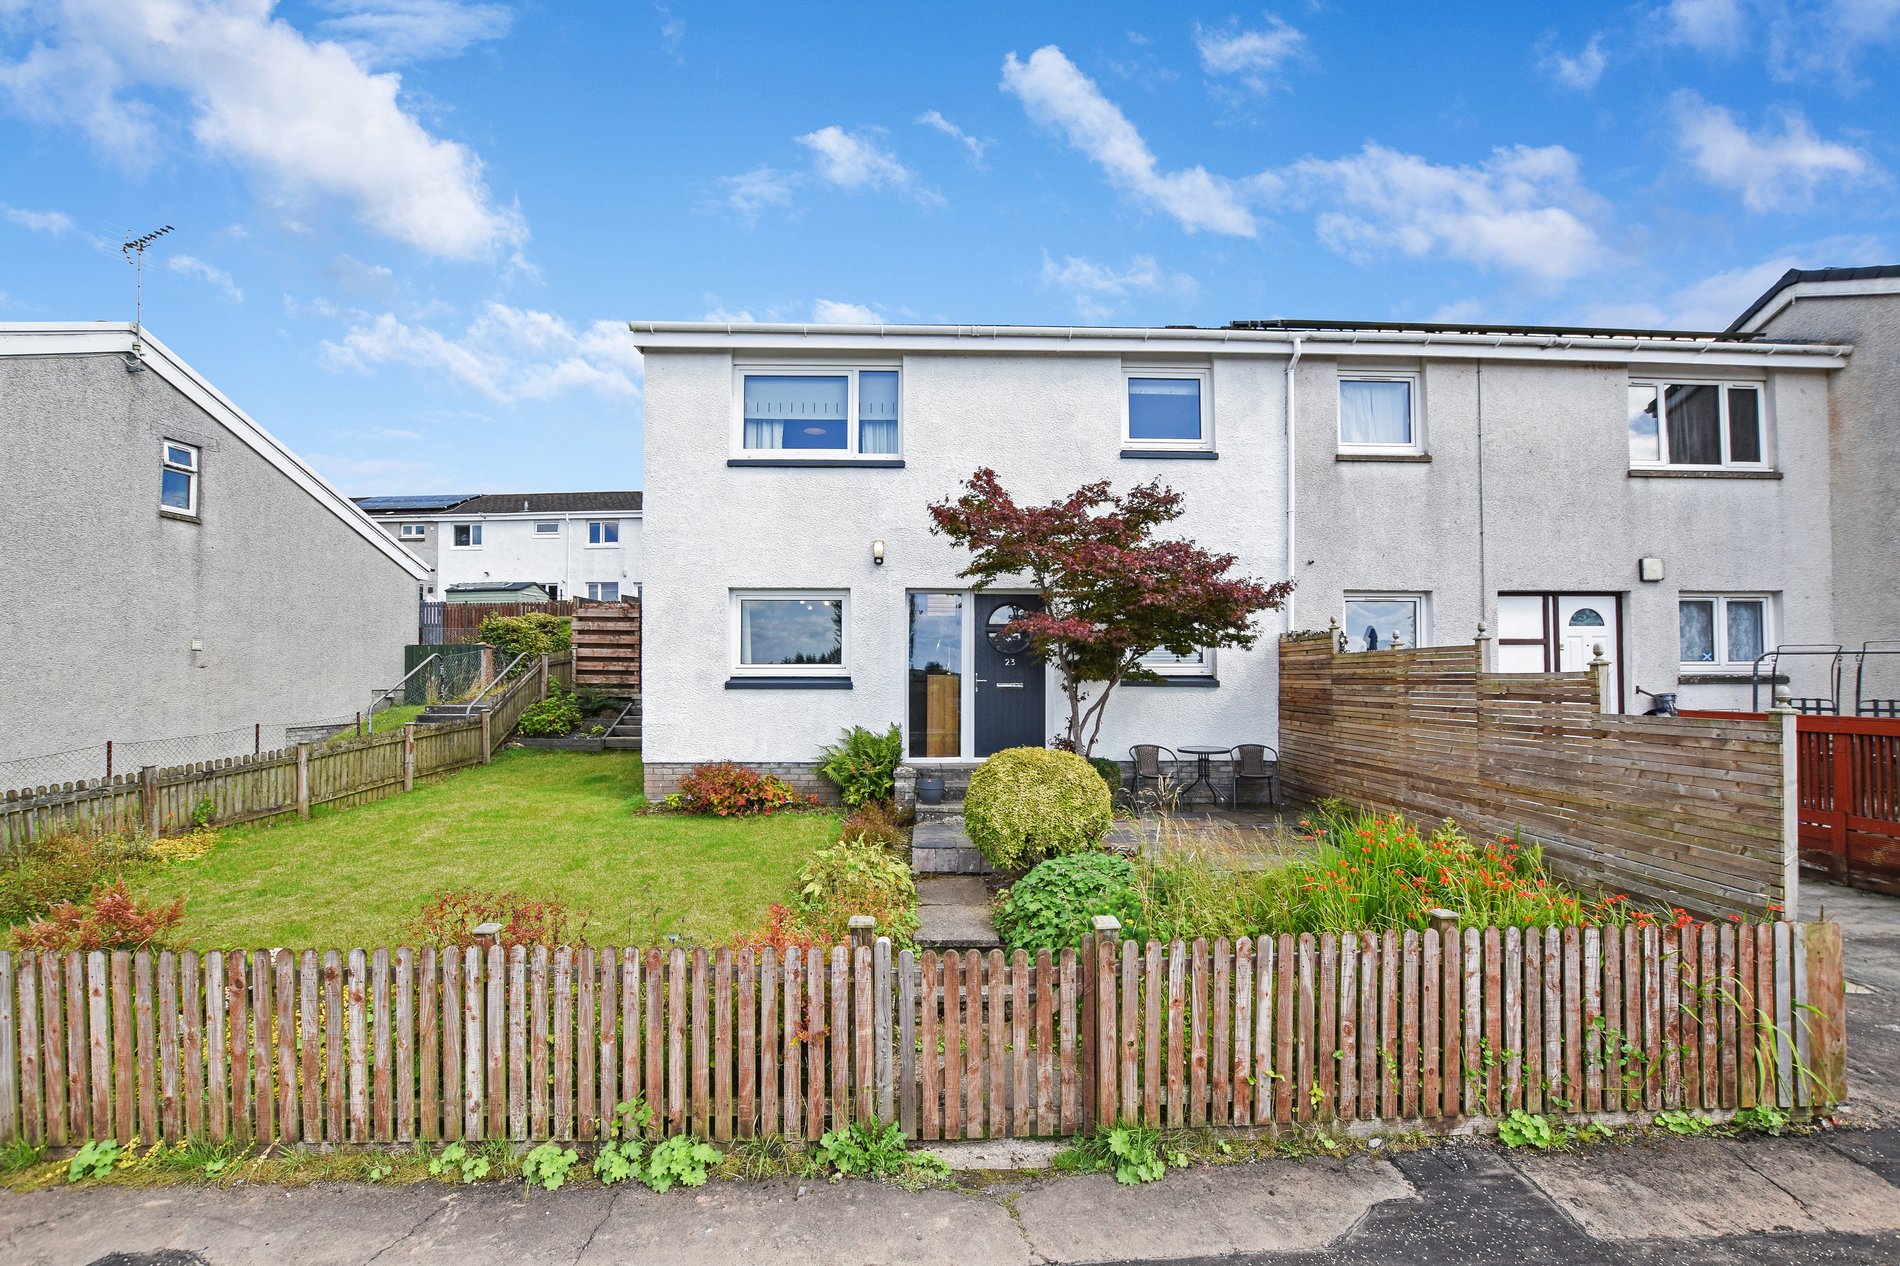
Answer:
[(479, 591), (184, 586), (568, 544), (1670, 497)]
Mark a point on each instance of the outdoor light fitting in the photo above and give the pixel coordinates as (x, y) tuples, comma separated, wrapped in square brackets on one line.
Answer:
[(877, 553)]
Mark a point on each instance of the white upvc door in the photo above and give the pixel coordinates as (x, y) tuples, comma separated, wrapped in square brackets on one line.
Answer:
[(1558, 632)]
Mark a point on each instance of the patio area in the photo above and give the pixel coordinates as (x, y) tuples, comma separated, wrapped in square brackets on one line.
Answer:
[(1262, 834)]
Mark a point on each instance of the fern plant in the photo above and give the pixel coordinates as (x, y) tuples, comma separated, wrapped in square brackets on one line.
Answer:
[(863, 765)]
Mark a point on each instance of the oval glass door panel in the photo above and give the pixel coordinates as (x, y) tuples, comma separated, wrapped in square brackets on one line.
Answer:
[(1006, 643)]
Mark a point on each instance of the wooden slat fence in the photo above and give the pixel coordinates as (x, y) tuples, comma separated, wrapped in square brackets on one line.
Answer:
[(440, 622), (395, 1046), (607, 646), (1684, 810), (1850, 799)]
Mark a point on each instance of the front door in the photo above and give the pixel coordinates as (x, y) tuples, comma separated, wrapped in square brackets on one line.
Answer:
[(1559, 633), (1010, 702)]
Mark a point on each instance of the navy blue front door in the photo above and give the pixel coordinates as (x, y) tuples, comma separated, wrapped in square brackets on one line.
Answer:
[(1010, 702)]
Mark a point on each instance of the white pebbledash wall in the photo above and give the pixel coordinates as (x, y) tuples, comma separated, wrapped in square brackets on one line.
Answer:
[(1046, 423)]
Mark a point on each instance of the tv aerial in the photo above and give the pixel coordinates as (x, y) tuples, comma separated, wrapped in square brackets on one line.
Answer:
[(134, 252)]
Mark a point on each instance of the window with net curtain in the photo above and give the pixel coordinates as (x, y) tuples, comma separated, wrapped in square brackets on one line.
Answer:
[(812, 412), (1376, 413), (1164, 411), (1719, 630)]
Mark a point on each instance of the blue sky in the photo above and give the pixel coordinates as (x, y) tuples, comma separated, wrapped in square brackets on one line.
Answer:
[(410, 232)]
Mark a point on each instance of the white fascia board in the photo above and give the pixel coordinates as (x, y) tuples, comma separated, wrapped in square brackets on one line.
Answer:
[(1787, 297), (1575, 349), (107, 338)]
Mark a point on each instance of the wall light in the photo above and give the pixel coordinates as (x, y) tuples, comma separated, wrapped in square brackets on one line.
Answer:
[(1650, 569), (877, 552)]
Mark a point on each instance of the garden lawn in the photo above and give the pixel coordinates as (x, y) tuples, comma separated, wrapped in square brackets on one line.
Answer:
[(562, 825)]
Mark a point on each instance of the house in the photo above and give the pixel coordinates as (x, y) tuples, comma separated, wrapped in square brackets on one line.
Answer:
[(478, 591), (183, 585), (1666, 496), (569, 544)]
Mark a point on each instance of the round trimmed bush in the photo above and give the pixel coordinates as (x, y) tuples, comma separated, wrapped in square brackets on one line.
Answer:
[(1051, 908), (1028, 803)]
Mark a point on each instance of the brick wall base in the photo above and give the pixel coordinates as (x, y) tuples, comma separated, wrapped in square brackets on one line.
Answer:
[(663, 777)]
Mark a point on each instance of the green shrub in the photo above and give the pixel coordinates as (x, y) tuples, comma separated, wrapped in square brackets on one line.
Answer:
[(857, 876), (881, 822), (62, 867), (1111, 772), (556, 714), (726, 790), (863, 765), (1050, 907), (536, 633), (1028, 803)]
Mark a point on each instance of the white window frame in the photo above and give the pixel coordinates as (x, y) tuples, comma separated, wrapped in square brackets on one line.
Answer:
[(474, 535), (192, 470), (1722, 385), (1203, 669), (841, 669), (1422, 607), (1205, 444), (1413, 380), (414, 532), (815, 369), (1722, 663), (598, 528), (547, 527), (596, 590)]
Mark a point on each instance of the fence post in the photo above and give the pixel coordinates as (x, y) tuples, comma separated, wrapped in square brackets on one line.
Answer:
[(409, 757), (108, 760), (485, 733), (1105, 930), (303, 780), (863, 932), (1487, 650), (1444, 922), (1602, 679), (1790, 802), (544, 676), (488, 663), (148, 799)]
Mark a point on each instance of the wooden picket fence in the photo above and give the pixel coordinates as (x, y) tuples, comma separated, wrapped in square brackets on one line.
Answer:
[(395, 1046)]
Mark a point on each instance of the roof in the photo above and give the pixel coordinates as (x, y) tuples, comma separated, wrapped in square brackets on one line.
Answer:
[(117, 338), (1463, 327), (1809, 276), (549, 502), (495, 586), (390, 505)]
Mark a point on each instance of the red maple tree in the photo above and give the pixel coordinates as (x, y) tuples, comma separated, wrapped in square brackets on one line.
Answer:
[(1110, 592)]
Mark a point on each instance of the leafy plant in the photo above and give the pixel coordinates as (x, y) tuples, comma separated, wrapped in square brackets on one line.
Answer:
[(1530, 1129), (1050, 908), (880, 822), (95, 1159), (1133, 1152), (725, 790), (536, 633), (856, 1150), (111, 919), (623, 1148), (856, 876), (202, 813), (64, 866), (681, 1159), (19, 1154), (556, 714), (1764, 1118), (1111, 772), (451, 917), (863, 765), (548, 1165), (1683, 1122), (1028, 803), (456, 1160)]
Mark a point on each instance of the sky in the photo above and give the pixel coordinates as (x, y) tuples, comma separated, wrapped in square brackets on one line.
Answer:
[(409, 233)]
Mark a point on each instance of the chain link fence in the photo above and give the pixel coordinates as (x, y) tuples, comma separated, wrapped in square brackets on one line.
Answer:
[(128, 756)]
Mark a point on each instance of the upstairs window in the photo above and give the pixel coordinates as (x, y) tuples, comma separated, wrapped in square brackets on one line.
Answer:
[(1378, 414), (178, 478), (1696, 424), (1167, 409), (820, 413), (603, 532), (467, 536), (547, 529), (415, 531)]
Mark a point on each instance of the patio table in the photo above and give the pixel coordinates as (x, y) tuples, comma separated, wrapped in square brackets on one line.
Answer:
[(1203, 755)]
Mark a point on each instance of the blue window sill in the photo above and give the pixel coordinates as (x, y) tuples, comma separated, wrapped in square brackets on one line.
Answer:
[(1172, 454), (871, 463), (788, 683), (1200, 683)]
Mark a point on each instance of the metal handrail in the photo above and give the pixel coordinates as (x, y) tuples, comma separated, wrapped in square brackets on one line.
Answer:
[(378, 702), (469, 708), (1836, 654), (1773, 660)]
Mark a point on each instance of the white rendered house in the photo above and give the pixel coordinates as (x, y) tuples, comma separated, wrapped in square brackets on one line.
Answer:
[(569, 544), (1663, 497)]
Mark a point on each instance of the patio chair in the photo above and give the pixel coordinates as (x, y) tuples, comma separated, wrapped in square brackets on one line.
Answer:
[(1257, 763), (1154, 765)]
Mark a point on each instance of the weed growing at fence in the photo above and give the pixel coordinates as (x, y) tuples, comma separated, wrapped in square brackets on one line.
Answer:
[(18, 1155), (876, 1151), (1134, 1152), (64, 866), (450, 918), (1763, 1118), (96, 1159), (1531, 1129), (456, 1160), (548, 1166)]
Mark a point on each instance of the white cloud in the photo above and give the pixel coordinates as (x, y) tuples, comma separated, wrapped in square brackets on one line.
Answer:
[(751, 192), (360, 280), (974, 145), (1821, 40), (305, 118), (854, 161), (391, 32), (1709, 26), (1712, 302), (506, 354), (53, 222), (1251, 55), (1772, 171), (738, 316), (1097, 290), (672, 33), (1055, 94), (1524, 209), (365, 476), (831, 312), (1581, 71), (192, 266)]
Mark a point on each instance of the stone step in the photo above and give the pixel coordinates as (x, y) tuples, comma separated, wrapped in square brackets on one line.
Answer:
[(940, 847), (953, 913)]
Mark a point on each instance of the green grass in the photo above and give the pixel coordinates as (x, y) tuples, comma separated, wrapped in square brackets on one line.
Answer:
[(546, 824)]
